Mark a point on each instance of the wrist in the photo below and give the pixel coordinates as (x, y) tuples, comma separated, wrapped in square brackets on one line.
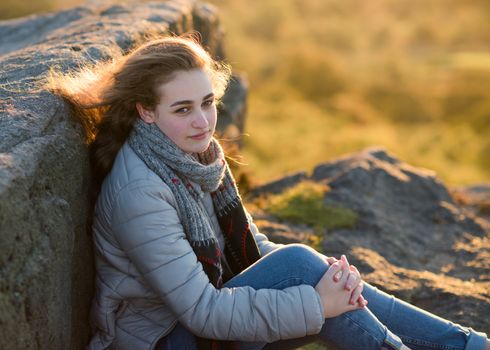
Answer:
[(321, 302)]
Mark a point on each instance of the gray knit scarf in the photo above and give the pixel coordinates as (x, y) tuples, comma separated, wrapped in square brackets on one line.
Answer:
[(209, 169)]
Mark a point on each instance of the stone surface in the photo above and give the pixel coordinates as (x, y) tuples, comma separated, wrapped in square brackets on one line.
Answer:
[(279, 185), (232, 111), (412, 238), (46, 268)]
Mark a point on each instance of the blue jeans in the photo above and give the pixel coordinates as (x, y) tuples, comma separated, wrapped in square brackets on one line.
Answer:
[(385, 324)]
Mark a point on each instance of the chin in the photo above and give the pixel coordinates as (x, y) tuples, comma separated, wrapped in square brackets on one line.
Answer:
[(203, 148), (198, 148)]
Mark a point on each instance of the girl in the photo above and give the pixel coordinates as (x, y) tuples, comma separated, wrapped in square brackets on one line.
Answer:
[(180, 264)]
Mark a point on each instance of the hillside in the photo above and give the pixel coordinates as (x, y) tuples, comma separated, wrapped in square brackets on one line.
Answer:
[(330, 77), (326, 78)]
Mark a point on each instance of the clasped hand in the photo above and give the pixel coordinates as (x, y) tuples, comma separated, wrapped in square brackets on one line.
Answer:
[(340, 288)]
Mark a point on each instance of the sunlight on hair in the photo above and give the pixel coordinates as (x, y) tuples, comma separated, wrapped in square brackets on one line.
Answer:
[(94, 88)]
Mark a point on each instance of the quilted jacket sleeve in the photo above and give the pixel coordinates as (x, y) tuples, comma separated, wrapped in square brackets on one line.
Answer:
[(265, 246), (147, 227)]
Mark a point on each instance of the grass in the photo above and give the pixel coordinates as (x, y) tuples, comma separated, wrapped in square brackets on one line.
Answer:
[(335, 76), (332, 77), (304, 204), (313, 346)]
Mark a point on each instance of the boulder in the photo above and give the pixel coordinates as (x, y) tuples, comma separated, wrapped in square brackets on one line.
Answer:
[(46, 262), (412, 238)]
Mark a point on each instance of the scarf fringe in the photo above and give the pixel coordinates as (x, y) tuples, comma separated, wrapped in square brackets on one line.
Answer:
[(203, 243), (226, 210)]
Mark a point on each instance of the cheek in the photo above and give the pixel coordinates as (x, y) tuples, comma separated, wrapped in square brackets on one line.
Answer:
[(212, 118), (173, 129)]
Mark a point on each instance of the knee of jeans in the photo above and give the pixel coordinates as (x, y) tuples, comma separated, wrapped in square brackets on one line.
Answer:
[(304, 258)]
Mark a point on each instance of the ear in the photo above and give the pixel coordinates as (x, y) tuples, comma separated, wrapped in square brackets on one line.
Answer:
[(146, 115)]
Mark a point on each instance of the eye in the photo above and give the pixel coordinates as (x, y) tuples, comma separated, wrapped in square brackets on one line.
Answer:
[(183, 110), (208, 103)]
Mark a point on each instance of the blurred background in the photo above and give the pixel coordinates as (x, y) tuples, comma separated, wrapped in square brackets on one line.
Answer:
[(328, 77)]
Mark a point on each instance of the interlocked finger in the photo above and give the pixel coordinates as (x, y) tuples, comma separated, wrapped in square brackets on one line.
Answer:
[(356, 296), (337, 276), (354, 278)]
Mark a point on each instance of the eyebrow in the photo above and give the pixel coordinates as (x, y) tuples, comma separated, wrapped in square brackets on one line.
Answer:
[(188, 102)]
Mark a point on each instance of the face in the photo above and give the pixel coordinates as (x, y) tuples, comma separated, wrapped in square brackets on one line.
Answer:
[(186, 112)]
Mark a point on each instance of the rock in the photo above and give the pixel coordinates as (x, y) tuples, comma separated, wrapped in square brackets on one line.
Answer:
[(475, 198), (232, 111), (412, 238), (46, 262), (279, 185)]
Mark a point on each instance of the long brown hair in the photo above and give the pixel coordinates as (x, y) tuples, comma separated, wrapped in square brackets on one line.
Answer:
[(104, 96)]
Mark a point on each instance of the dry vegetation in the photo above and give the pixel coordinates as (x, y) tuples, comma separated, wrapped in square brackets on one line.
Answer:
[(333, 76), (329, 77)]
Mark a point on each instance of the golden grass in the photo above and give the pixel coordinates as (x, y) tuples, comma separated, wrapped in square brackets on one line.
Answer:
[(329, 77), (334, 76)]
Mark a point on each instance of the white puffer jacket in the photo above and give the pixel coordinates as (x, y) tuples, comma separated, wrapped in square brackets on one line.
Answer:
[(148, 276)]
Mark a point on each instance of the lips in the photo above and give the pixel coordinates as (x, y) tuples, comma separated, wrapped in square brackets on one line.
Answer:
[(200, 136)]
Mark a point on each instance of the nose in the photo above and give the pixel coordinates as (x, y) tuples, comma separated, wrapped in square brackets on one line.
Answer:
[(200, 121)]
